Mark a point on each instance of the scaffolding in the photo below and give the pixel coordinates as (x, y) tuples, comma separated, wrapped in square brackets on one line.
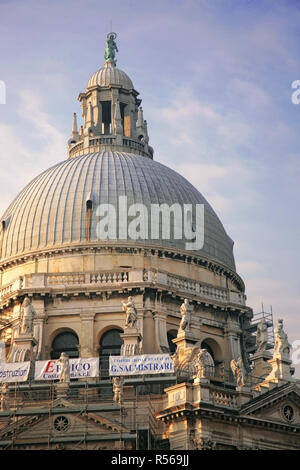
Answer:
[(267, 317), (86, 405)]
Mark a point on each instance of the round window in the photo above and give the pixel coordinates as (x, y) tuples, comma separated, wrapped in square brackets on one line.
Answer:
[(61, 423), (288, 413)]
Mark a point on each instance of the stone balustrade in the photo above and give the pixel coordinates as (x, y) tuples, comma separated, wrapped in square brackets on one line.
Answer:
[(109, 140), (78, 147), (223, 398), (135, 276), (209, 292), (104, 140)]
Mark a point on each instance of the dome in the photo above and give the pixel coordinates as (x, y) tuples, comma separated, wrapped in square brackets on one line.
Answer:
[(110, 75), (51, 211)]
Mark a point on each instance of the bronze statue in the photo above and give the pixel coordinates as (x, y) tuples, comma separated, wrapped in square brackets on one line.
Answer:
[(110, 48)]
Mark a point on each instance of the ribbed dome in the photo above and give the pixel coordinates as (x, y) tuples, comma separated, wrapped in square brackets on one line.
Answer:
[(51, 210), (110, 75)]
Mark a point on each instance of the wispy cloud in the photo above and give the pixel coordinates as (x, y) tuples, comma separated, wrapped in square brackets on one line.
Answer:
[(25, 155)]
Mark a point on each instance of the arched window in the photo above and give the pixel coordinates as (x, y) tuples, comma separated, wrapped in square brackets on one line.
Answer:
[(171, 334), (65, 342), (214, 350), (205, 345), (88, 219), (110, 345)]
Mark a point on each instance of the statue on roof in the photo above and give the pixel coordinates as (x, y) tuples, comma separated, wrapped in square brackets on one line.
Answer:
[(27, 315), (110, 48), (185, 311), (238, 372), (262, 336), (131, 313), (282, 346)]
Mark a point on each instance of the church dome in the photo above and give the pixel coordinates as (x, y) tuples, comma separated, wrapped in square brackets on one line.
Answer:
[(51, 211), (110, 75)]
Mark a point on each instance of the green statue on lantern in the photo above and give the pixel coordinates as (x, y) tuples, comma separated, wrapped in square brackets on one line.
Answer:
[(110, 48)]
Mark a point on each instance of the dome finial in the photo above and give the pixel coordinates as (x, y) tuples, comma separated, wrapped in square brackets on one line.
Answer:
[(110, 49)]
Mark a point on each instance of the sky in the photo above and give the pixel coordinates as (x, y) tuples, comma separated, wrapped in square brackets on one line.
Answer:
[(215, 77)]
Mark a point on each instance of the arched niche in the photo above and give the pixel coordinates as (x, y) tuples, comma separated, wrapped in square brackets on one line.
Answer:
[(171, 334), (65, 341), (214, 349), (110, 345)]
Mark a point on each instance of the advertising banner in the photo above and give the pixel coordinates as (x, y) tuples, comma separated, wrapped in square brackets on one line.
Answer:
[(14, 371), (141, 365), (79, 368)]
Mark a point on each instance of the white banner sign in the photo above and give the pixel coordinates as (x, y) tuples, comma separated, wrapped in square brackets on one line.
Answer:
[(79, 368), (14, 371), (141, 365)]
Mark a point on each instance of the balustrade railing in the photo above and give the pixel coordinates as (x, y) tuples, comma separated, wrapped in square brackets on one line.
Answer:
[(223, 398), (184, 285)]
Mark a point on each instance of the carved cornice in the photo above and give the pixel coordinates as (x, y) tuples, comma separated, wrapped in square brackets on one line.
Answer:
[(230, 416), (106, 283), (120, 247)]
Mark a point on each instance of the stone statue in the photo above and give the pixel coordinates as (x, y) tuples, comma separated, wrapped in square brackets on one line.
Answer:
[(238, 371), (131, 313), (110, 48), (4, 398), (64, 373), (27, 316), (185, 317), (262, 336), (282, 346), (204, 364), (118, 389), (2, 352)]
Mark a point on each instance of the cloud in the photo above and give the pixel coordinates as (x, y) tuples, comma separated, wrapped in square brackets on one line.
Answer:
[(192, 121), (26, 154), (229, 187)]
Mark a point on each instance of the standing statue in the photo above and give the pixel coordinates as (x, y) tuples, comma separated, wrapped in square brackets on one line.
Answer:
[(131, 313), (185, 317), (2, 352), (262, 336), (238, 371), (110, 48), (64, 373), (118, 389), (27, 314), (4, 397), (282, 347)]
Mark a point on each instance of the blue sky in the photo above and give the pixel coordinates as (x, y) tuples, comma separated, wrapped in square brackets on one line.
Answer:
[(215, 78)]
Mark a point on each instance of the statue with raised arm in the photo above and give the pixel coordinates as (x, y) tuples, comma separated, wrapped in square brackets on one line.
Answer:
[(282, 347), (131, 313), (262, 336), (27, 314), (110, 48), (64, 373)]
